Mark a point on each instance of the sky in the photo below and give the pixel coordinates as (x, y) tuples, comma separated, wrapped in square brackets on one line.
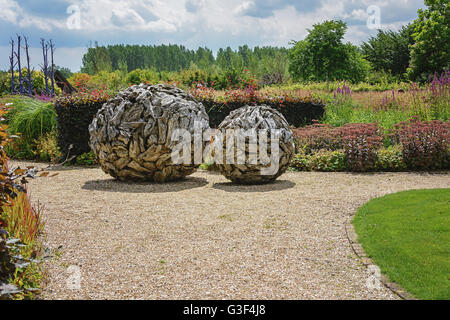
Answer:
[(74, 25)]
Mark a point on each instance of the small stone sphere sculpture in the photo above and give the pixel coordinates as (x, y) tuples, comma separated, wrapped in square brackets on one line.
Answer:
[(131, 134), (266, 122)]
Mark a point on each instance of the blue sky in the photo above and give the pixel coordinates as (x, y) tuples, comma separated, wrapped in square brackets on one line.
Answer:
[(73, 24)]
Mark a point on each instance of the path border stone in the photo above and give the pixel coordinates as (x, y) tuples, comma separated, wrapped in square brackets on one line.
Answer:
[(359, 251)]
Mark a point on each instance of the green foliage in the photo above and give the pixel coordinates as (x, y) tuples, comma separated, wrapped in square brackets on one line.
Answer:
[(431, 51), (390, 159), (322, 56), (273, 70), (46, 147), (37, 80), (86, 159), (139, 76), (383, 80), (172, 58), (407, 235), (66, 72), (95, 60), (29, 119), (179, 65), (322, 160), (389, 51)]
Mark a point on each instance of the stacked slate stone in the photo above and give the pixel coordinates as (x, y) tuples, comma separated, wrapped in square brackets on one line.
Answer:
[(132, 134), (259, 118)]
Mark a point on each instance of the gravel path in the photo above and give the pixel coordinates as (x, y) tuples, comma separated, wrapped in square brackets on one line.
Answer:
[(207, 239)]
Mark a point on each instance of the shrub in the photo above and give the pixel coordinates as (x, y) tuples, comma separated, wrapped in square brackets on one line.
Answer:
[(23, 224), (80, 81), (37, 81), (29, 119), (323, 55), (322, 160), (24, 220), (360, 144), (426, 145), (390, 159), (47, 148), (86, 159), (358, 141), (317, 137), (139, 76)]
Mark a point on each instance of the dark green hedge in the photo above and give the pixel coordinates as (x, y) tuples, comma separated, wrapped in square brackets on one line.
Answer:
[(296, 113), (73, 122), (75, 113)]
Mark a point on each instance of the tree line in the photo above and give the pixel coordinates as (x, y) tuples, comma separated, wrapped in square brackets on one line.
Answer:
[(412, 53), (172, 58)]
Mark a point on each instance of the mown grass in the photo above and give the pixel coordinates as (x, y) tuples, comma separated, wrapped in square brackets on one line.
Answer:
[(407, 234)]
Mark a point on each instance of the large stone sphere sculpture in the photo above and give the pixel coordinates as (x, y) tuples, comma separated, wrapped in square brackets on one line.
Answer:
[(131, 134), (267, 122)]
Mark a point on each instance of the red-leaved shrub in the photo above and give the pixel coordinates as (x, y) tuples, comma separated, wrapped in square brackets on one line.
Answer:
[(425, 144), (361, 142), (358, 140), (318, 137)]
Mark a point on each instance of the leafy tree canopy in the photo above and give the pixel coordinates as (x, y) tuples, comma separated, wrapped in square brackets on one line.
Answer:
[(431, 34), (389, 51), (323, 55)]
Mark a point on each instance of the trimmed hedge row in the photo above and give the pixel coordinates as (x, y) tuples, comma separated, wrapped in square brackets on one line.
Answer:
[(75, 113), (73, 122), (297, 113)]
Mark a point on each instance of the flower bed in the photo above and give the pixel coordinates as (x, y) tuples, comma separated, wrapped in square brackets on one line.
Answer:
[(413, 145)]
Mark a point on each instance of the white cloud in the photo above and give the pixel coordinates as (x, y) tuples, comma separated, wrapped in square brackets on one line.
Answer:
[(171, 16), (244, 7), (9, 11), (194, 23)]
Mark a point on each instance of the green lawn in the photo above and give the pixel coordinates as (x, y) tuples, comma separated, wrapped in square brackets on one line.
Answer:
[(407, 234)]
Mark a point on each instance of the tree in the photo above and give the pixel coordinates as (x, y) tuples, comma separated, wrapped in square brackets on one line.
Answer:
[(431, 51), (323, 56), (66, 72), (273, 70), (95, 60), (389, 51)]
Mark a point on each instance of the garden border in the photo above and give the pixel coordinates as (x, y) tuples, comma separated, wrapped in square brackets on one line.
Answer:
[(359, 251)]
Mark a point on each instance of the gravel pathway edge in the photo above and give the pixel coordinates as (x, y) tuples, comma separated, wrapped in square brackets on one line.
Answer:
[(359, 251)]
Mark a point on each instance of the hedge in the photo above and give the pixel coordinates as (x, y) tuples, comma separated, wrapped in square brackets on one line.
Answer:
[(76, 112), (74, 115), (297, 113)]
